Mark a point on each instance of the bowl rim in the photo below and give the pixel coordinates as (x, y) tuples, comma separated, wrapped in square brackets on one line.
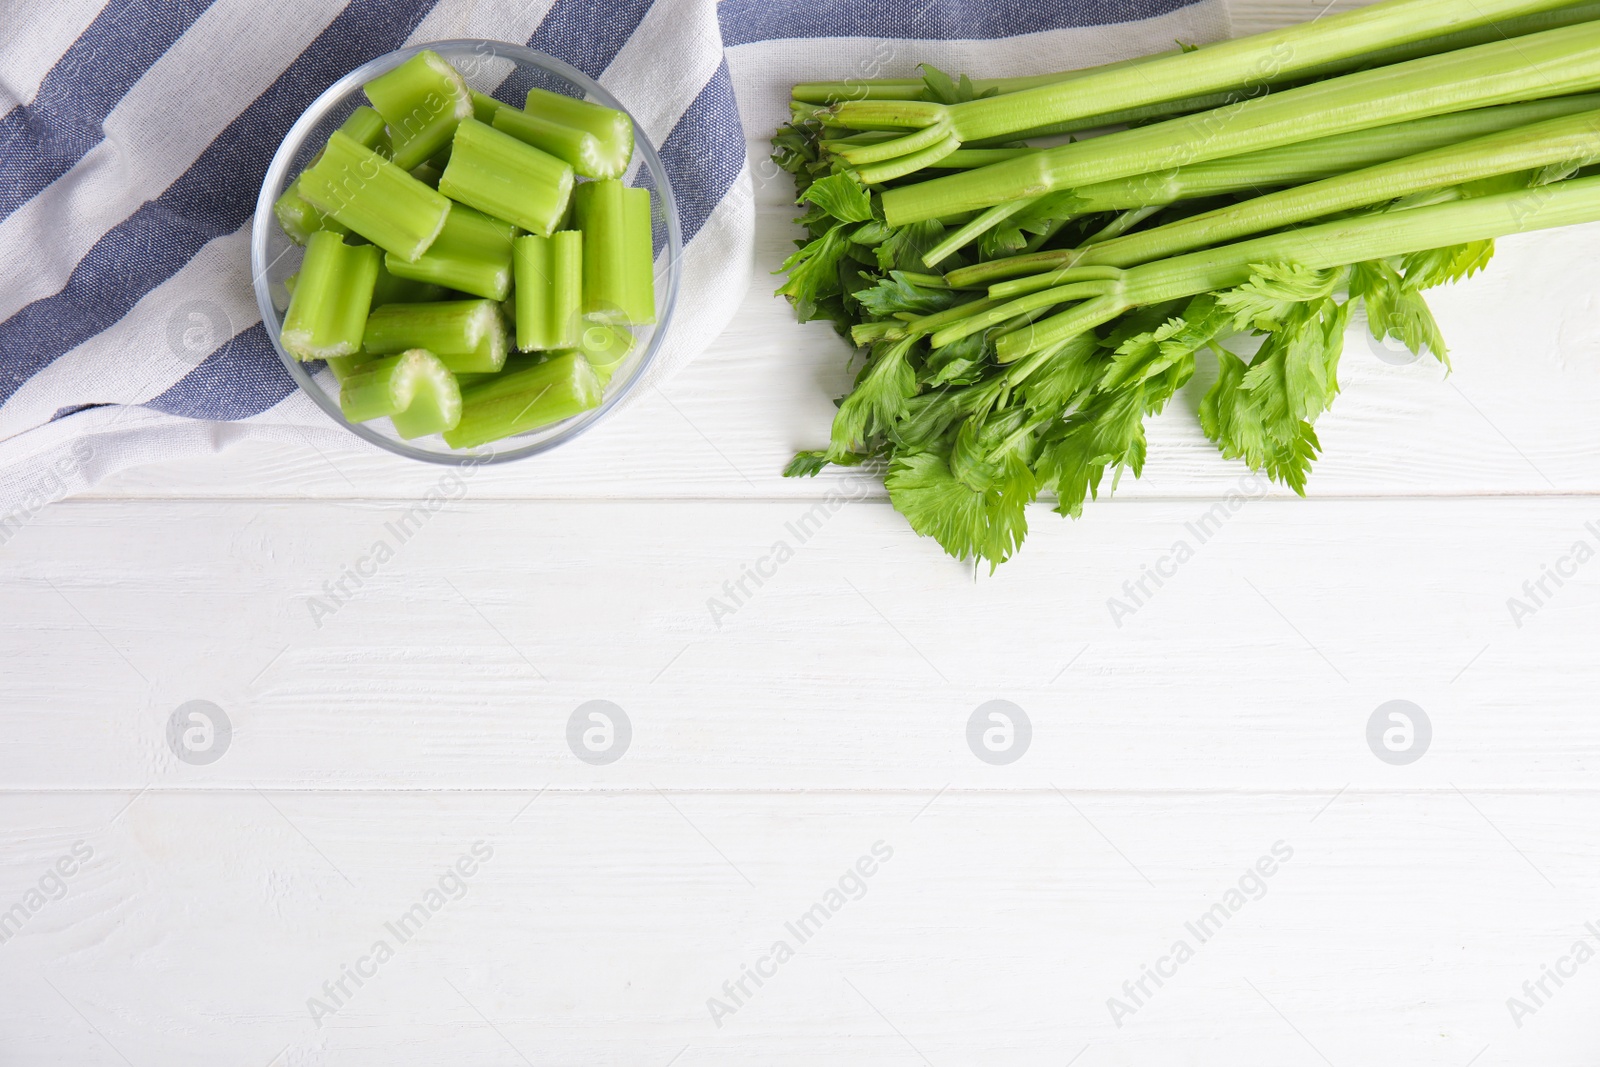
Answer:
[(277, 175)]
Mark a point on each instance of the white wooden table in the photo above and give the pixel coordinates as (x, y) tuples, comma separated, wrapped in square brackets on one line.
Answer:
[(399, 771)]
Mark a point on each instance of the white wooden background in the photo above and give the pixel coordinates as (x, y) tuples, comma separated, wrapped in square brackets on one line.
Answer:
[(827, 715)]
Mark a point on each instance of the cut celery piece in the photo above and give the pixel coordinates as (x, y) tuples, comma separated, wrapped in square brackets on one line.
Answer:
[(472, 254), (578, 147), (467, 335), (641, 254), (413, 389), (605, 347), (422, 100), (427, 174), (507, 404), (616, 252), (549, 273), (611, 128), (332, 294), (374, 197), (500, 176), (484, 106), (365, 127), (393, 289), (299, 218), (344, 366)]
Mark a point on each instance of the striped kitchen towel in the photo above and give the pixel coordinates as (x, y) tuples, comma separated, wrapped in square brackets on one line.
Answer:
[(134, 136)]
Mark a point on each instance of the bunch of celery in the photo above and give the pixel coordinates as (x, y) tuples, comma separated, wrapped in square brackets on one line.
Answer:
[(444, 228), (1026, 300)]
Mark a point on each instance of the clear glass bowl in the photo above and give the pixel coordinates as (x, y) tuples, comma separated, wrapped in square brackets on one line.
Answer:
[(487, 66)]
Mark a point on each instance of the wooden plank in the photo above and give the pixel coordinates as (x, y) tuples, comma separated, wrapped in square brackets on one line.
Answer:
[(856, 663), (997, 930)]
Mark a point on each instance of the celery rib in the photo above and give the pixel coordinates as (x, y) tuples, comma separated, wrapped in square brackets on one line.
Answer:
[(472, 254), (374, 197), (549, 272), (503, 177), (1542, 64), (422, 100), (468, 336), (618, 267), (525, 399), (328, 308)]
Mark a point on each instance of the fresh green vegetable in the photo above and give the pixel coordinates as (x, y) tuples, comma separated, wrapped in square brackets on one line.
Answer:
[(393, 289), (1543, 64), (1252, 172), (525, 399), (549, 296), (606, 348), (1229, 65), (422, 100), (413, 389), (472, 254), (298, 217), (466, 335), (611, 129), (443, 195), (328, 308), (618, 274), (374, 197), (500, 176), (579, 148), (1023, 316), (1573, 140)]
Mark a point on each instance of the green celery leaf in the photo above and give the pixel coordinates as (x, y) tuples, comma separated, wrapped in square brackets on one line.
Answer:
[(1106, 432), (839, 196), (1273, 291), (903, 249), (806, 465), (1436, 266), (878, 400), (966, 524), (814, 268), (1065, 376), (895, 294)]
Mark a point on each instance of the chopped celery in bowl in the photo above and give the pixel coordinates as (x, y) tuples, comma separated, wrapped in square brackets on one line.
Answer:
[(466, 251)]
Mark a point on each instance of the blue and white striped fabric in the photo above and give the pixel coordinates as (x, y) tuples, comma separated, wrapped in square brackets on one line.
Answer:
[(134, 135)]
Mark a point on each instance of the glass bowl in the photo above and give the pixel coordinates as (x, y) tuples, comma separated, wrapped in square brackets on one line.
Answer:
[(505, 71)]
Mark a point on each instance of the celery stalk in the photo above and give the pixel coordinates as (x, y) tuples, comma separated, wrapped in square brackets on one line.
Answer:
[(500, 176), (1542, 64), (611, 128), (299, 218), (422, 100), (413, 389), (1574, 138), (1291, 164), (365, 127), (618, 268), (1331, 244), (485, 106), (467, 335), (374, 197), (1250, 63), (641, 254), (393, 289), (579, 148), (328, 308), (472, 254), (344, 366), (549, 272), (525, 399), (606, 348)]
